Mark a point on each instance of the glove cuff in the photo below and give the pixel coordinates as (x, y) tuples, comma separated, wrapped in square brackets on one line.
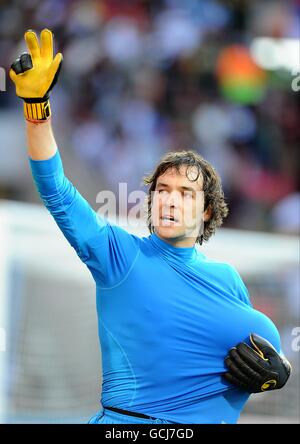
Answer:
[(37, 112)]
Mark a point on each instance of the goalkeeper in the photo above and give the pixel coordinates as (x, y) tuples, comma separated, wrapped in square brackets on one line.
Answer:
[(180, 340)]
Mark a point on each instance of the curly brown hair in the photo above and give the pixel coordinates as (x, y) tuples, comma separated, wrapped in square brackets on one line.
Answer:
[(213, 193)]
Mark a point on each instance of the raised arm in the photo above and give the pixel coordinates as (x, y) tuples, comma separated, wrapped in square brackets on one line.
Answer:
[(101, 246), (34, 74)]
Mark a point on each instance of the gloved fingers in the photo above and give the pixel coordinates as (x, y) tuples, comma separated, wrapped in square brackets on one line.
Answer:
[(251, 357), (47, 45), (22, 64), (233, 380), (54, 68), (234, 370), (26, 61), (17, 67), (244, 366), (33, 45), (262, 346)]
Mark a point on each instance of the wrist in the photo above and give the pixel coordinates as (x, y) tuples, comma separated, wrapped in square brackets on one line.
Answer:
[(37, 112)]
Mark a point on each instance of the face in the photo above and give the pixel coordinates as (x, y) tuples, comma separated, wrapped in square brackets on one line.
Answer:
[(178, 206)]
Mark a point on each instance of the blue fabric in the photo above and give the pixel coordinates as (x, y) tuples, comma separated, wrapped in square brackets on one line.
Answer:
[(167, 316), (105, 416)]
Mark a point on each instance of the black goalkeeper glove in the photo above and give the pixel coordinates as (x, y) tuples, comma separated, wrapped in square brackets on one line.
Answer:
[(258, 369)]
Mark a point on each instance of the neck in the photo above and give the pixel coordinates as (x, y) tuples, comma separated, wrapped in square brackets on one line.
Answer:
[(179, 242)]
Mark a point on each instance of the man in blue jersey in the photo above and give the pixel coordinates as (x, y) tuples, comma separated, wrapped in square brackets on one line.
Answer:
[(168, 317)]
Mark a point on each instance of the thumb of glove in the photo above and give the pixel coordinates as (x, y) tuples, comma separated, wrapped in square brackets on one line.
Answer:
[(263, 347)]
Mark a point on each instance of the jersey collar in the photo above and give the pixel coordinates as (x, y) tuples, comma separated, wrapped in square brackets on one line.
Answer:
[(185, 253)]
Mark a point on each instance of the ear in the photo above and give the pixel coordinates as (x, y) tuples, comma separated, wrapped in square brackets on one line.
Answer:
[(207, 214)]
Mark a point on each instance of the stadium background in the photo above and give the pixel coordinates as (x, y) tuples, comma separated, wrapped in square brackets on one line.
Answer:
[(140, 78)]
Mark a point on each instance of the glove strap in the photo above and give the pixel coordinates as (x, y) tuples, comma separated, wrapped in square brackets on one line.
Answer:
[(37, 112)]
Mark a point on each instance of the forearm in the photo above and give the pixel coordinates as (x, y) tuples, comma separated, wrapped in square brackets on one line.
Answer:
[(40, 140)]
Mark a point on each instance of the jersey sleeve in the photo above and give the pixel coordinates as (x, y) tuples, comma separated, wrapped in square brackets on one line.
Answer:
[(107, 250)]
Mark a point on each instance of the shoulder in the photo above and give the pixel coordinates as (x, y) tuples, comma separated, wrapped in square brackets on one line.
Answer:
[(115, 235), (229, 277), (221, 268), (119, 234)]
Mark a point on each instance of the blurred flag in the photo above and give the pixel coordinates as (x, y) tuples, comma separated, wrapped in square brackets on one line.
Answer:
[(241, 80)]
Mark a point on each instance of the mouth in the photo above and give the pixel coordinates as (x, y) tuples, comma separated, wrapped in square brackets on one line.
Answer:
[(169, 219)]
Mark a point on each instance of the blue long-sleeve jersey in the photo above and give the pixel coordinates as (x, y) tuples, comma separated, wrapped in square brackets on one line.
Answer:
[(167, 316)]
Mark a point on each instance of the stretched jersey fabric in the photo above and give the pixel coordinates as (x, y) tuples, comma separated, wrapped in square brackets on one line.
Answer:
[(167, 316)]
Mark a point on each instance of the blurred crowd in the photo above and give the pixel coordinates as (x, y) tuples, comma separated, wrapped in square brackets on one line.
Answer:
[(140, 78)]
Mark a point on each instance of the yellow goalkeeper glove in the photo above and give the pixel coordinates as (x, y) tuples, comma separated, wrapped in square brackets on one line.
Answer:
[(35, 73)]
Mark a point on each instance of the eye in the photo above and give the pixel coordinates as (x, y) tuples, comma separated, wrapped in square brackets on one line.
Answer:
[(188, 195)]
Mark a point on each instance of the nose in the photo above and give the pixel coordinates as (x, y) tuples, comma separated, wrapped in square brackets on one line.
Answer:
[(172, 200)]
